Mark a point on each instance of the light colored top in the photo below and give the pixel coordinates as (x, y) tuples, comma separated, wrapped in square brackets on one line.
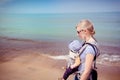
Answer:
[(88, 50)]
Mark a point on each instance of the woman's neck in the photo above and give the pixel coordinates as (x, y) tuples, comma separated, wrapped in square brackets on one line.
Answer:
[(90, 39)]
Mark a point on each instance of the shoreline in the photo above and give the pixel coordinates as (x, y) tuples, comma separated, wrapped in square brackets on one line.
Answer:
[(62, 44), (109, 54)]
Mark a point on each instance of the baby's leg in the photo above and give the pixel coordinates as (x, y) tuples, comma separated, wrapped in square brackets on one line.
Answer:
[(68, 72)]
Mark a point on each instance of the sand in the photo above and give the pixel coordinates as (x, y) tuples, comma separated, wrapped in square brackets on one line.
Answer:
[(41, 67), (29, 67), (21, 62)]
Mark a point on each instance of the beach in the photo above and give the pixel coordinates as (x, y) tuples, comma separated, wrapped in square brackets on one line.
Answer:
[(25, 60)]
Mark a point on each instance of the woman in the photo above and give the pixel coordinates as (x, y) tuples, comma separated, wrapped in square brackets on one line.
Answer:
[(85, 31)]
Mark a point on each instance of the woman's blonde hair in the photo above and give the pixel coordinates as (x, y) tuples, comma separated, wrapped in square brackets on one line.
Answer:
[(87, 25)]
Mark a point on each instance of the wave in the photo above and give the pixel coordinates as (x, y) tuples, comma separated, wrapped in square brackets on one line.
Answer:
[(102, 59), (60, 57), (108, 58)]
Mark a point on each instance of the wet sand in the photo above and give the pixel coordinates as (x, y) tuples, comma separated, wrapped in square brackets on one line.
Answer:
[(24, 60)]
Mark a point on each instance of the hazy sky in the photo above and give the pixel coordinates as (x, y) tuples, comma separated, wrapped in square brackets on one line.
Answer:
[(58, 6)]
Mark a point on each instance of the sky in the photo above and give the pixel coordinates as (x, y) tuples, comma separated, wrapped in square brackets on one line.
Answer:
[(58, 6)]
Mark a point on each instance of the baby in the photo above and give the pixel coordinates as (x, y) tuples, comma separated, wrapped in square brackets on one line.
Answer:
[(74, 48)]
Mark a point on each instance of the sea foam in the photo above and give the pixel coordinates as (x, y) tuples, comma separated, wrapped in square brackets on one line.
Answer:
[(108, 58), (101, 59), (60, 57)]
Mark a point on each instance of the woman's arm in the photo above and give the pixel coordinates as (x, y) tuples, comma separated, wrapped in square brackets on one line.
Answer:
[(88, 66)]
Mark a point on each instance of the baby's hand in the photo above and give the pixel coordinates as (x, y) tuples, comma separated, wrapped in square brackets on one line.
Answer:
[(64, 67), (72, 66)]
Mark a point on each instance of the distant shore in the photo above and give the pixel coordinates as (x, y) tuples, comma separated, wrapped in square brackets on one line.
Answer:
[(29, 60)]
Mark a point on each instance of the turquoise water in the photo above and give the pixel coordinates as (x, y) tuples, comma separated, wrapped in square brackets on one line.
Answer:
[(60, 26)]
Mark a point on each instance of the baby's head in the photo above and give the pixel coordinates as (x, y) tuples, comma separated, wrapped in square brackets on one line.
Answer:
[(75, 46)]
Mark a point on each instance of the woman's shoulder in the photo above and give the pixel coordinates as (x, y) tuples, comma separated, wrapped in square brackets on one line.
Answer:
[(91, 49)]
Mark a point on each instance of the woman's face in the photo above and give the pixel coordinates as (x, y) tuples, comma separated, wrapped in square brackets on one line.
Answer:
[(81, 33)]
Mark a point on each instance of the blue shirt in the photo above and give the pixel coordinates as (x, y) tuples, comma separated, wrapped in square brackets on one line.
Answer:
[(88, 50)]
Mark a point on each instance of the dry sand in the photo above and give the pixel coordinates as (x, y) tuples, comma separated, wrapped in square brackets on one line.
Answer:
[(41, 67), (29, 67)]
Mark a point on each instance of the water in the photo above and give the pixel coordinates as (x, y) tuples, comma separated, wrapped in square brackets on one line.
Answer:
[(61, 27)]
